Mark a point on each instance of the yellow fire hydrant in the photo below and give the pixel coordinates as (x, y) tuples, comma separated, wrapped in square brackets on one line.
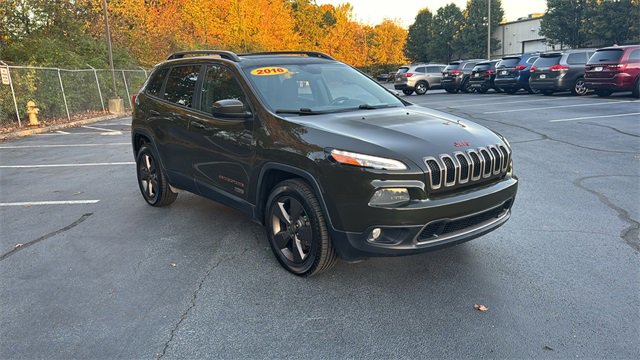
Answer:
[(33, 111)]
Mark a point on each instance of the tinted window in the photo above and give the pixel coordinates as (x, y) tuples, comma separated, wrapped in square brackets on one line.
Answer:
[(181, 85), (635, 55), (532, 59), (434, 69), (481, 67), (577, 58), (219, 84), (155, 84), (510, 62), (402, 70), (545, 61), (420, 69), (452, 66), (606, 56), (468, 66)]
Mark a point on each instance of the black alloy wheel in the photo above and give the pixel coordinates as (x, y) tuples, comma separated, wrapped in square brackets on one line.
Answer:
[(407, 92), (152, 180), (482, 90), (297, 229), (579, 88), (422, 88)]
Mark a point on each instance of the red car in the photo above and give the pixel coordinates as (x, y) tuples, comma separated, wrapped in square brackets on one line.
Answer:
[(614, 69)]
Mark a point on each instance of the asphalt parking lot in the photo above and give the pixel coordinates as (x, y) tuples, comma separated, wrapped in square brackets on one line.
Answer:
[(88, 270)]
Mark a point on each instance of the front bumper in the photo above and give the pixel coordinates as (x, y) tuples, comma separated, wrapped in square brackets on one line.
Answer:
[(430, 224)]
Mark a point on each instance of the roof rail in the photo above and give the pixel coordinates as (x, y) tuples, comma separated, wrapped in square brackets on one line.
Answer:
[(307, 53), (222, 53)]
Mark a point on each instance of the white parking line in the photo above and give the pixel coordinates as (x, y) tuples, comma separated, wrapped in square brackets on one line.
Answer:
[(35, 203), (63, 145), (507, 102), (464, 100), (104, 131), (62, 132), (556, 107), (64, 165), (594, 117)]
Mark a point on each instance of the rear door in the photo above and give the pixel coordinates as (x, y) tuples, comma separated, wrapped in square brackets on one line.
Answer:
[(507, 68), (543, 66), (576, 62), (600, 64), (434, 74)]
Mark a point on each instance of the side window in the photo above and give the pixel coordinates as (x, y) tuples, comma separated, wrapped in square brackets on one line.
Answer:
[(532, 59), (469, 66), (156, 82), (420, 69), (181, 85), (434, 69), (634, 56), (219, 84), (577, 58)]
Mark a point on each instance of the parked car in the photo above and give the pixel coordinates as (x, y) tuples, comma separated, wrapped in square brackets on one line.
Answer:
[(330, 161), (613, 69), (455, 77), (419, 78), (512, 74), (391, 77), (382, 77), (483, 76), (560, 71)]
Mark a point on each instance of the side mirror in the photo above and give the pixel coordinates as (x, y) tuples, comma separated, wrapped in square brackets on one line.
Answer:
[(230, 108)]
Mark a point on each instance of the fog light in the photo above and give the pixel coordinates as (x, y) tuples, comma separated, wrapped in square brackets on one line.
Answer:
[(390, 196), (375, 234)]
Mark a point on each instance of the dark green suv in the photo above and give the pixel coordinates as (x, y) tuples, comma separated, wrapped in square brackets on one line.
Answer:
[(332, 163)]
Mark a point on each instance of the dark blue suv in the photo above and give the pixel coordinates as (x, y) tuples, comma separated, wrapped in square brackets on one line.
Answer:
[(512, 73)]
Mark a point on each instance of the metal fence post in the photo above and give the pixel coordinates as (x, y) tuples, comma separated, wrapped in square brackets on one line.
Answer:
[(145, 71), (98, 85), (13, 93), (64, 97), (124, 78)]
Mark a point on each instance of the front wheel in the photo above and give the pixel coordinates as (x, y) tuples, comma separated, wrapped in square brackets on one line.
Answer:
[(152, 179), (421, 88), (407, 92), (297, 229), (466, 87), (579, 88)]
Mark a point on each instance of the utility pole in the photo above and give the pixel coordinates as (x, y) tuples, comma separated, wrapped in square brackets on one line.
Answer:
[(489, 31), (106, 25)]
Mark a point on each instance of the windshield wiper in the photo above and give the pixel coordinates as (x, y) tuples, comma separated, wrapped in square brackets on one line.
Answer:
[(373, 107), (301, 111)]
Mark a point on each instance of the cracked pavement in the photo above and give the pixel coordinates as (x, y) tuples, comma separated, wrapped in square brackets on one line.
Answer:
[(198, 280)]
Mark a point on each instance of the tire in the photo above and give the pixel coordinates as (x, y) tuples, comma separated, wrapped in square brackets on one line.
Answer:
[(422, 88), (533, 91), (482, 90), (152, 179), (498, 90), (465, 88), (636, 89), (579, 88), (603, 93), (407, 92), (511, 91), (547, 92), (297, 229), (451, 91)]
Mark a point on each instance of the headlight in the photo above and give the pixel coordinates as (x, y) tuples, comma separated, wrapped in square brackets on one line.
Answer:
[(355, 159)]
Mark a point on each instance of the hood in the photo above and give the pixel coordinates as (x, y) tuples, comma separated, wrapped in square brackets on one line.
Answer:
[(411, 132)]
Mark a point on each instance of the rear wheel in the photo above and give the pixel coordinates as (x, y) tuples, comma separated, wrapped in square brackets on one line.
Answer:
[(421, 88), (451, 91), (152, 179), (482, 90), (603, 93), (579, 88), (546, 92), (297, 229), (407, 92), (533, 91), (466, 87)]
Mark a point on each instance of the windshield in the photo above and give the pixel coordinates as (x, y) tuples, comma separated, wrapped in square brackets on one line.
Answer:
[(546, 61), (509, 62), (308, 89), (606, 56), (402, 70), (452, 66), (482, 67)]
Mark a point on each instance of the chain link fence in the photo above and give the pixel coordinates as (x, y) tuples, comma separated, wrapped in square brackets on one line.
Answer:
[(62, 94)]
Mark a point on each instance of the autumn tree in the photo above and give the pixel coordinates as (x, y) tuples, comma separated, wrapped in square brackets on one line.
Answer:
[(388, 38), (419, 36)]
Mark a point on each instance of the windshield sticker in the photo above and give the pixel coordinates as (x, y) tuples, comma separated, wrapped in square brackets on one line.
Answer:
[(267, 71)]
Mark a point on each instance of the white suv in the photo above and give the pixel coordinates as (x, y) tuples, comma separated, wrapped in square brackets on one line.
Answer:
[(419, 78)]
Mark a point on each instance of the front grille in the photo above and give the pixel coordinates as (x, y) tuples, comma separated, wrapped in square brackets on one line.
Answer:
[(442, 228), (470, 167)]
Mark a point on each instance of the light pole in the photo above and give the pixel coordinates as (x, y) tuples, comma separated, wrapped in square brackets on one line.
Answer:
[(489, 31), (115, 103)]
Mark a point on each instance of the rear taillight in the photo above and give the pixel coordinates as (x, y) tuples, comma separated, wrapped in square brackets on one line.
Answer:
[(489, 72), (521, 67), (533, 68), (408, 74), (455, 72), (617, 66), (558, 67)]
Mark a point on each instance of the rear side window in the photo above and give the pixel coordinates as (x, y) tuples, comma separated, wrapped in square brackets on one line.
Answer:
[(452, 66), (481, 67), (420, 69), (468, 66), (157, 80), (577, 58), (219, 84), (402, 70), (545, 61), (634, 56), (510, 62), (532, 59), (181, 85), (434, 69), (606, 56)]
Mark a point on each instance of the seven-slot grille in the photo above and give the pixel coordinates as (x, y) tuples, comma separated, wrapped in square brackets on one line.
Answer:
[(467, 167)]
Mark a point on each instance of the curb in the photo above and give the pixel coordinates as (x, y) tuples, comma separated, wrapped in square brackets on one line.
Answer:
[(29, 132)]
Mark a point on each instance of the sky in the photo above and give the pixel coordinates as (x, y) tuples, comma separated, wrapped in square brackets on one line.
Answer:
[(372, 12)]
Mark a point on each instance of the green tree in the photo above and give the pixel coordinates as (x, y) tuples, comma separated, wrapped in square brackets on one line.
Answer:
[(473, 35), (418, 37), (446, 32), (615, 22), (565, 22)]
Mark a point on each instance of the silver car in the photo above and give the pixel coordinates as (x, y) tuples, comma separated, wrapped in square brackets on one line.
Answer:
[(419, 78)]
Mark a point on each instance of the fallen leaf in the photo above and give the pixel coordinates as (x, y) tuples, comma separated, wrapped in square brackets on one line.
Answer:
[(480, 307), (173, 264), (19, 245), (548, 348)]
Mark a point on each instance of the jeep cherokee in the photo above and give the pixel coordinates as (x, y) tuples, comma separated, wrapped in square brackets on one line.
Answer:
[(330, 162)]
